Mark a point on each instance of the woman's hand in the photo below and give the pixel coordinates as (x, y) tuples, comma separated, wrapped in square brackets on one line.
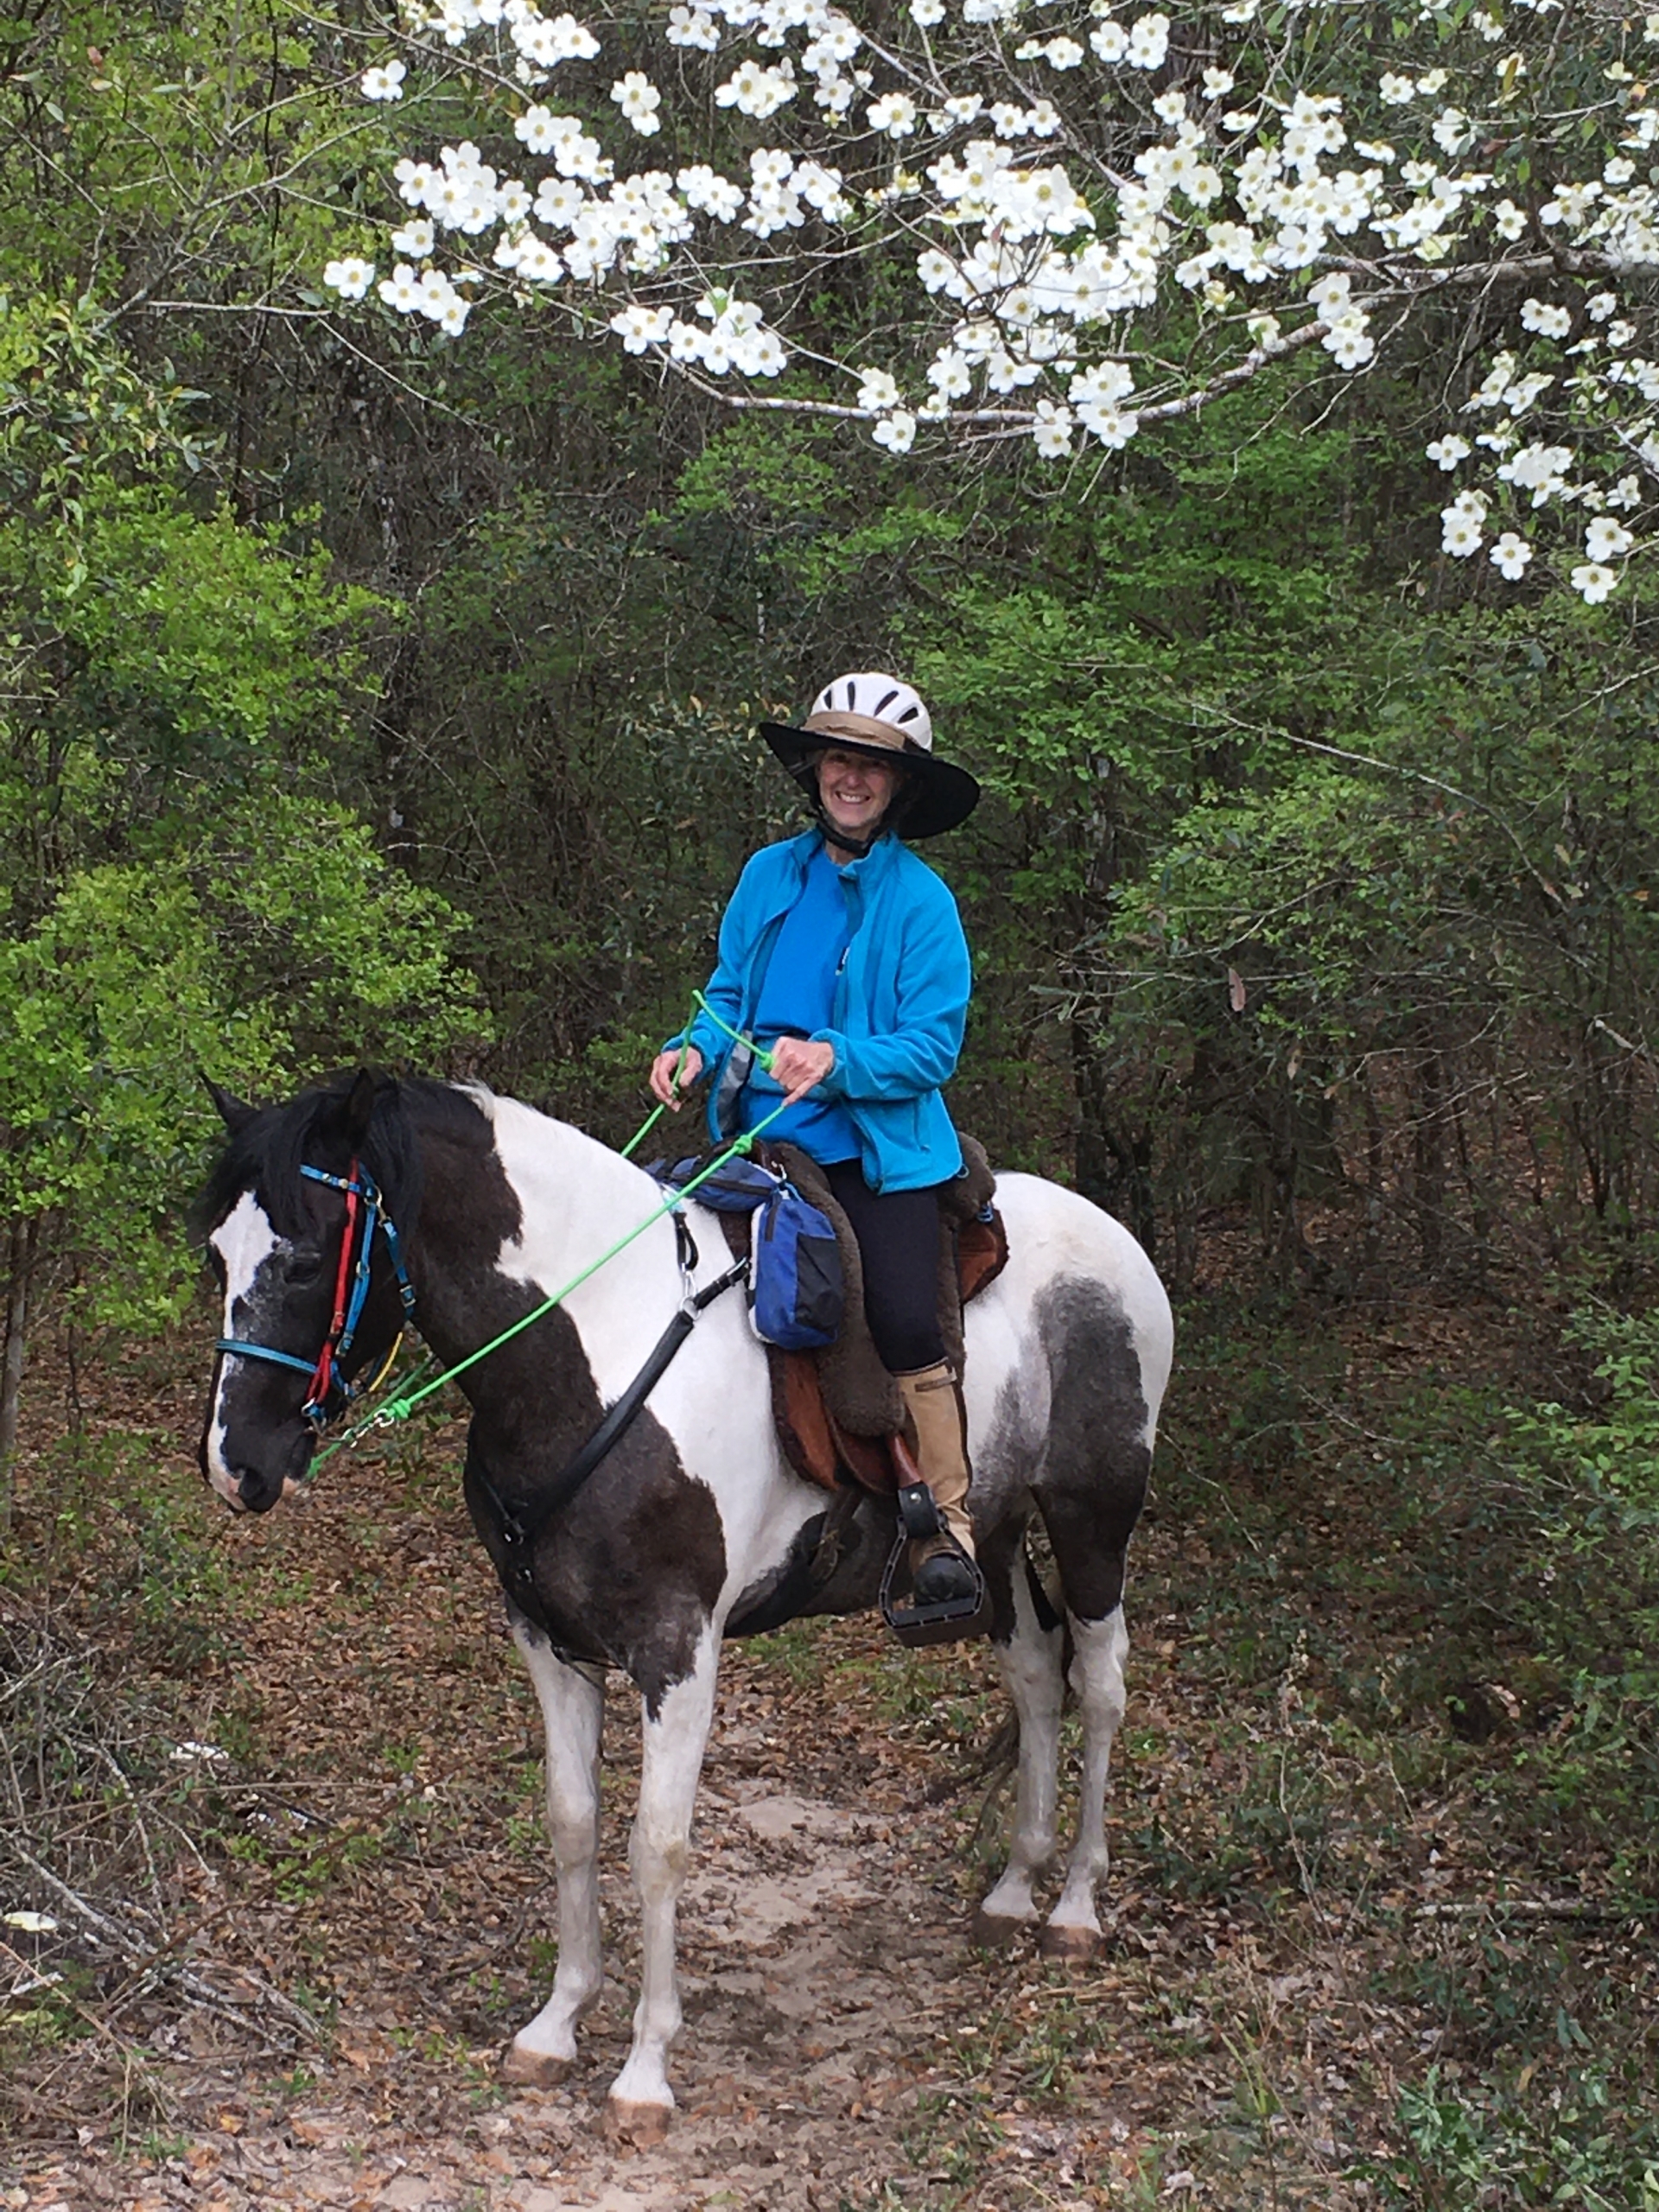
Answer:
[(673, 1073), (798, 1064)]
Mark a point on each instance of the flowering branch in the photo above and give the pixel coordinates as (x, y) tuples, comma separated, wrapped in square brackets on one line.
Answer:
[(1261, 196)]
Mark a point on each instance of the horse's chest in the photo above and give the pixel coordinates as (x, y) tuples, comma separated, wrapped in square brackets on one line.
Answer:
[(630, 1572)]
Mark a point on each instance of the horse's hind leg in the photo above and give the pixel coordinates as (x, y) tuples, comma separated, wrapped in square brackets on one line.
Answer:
[(1097, 1677), (1029, 1639), (1090, 1491), (676, 1734), (1088, 1525), (573, 1703)]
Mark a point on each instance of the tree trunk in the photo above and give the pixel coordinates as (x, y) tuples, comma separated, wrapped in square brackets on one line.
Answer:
[(1113, 1170), (1428, 1144), (1375, 1172), (22, 1244)]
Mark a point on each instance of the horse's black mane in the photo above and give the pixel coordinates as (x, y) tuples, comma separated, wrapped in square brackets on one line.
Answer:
[(267, 1152)]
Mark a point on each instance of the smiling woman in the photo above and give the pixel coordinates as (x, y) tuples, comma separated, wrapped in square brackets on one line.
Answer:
[(841, 993), (855, 793)]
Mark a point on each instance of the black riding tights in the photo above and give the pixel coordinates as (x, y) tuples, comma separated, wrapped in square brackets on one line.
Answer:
[(897, 1235)]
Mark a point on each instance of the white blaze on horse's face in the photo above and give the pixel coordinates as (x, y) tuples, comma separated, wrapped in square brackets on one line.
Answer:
[(245, 1240)]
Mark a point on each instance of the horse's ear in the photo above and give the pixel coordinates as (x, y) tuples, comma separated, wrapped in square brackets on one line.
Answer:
[(235, 1113), (366, 1087)]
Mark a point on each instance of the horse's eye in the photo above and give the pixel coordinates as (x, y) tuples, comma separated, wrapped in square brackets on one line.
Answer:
[(304, 1268)]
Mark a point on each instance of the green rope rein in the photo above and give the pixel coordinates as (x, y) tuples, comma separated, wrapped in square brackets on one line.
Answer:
[(737, 1037), (400, 1407)]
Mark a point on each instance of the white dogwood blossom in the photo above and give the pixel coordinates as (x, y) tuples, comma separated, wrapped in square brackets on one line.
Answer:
[(1462, 525), (384, 82), (1047, 184), (1510, 557), (753, 89), (1051, 430), (639, 99), (1592, 582), (1606, 540), (894, 112), (639, 328), (351, 277), (696, 27), (401, 290)]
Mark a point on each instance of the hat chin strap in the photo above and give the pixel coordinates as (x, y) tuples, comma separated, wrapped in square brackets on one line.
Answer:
[(851, 841)]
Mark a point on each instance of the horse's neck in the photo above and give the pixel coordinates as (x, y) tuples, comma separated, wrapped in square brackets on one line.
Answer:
[(563, 1200), (576, 1195)]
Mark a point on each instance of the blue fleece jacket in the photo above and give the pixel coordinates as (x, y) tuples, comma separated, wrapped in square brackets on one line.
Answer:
[(901, 1004)]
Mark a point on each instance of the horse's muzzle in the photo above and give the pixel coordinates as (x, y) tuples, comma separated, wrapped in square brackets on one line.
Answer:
[(260, 1488), (249, 1488)]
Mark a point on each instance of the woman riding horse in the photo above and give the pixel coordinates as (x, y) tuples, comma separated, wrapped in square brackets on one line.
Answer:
[(842, 954)]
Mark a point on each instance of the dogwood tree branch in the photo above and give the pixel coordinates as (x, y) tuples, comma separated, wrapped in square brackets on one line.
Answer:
[(1046, 203)]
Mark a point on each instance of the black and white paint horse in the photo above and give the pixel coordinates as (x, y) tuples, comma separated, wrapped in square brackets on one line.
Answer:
[(695, 1527)]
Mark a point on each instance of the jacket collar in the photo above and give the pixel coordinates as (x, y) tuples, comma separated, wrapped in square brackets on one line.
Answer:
[(874, 865)]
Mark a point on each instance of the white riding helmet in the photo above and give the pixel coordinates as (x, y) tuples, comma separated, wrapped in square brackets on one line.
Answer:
[(880, 699)]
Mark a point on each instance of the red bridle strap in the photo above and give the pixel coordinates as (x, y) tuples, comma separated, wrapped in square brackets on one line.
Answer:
[(323, 1375)]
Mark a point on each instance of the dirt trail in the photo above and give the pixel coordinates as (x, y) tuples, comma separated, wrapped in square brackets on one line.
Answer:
[(386, 1862), (823, 1971), (1327, 1906), (373, 1846)]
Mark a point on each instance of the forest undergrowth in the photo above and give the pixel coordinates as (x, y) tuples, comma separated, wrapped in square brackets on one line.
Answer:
[(1383, 1816)]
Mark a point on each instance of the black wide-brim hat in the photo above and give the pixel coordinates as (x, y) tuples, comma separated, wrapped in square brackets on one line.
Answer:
[(941, 794)]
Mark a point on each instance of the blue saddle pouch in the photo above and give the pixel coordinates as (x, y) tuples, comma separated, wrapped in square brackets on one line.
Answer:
[(796, 1293)]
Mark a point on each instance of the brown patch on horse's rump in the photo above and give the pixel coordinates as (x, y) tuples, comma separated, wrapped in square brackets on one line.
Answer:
[(1097, 1461)]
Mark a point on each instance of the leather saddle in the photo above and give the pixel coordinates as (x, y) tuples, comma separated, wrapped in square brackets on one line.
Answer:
[(840, 1415)]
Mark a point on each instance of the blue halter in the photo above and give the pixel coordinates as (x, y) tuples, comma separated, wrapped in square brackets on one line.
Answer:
[(350, 1290)]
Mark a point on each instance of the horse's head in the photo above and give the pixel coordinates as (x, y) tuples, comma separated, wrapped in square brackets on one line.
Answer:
[(299, 1198)]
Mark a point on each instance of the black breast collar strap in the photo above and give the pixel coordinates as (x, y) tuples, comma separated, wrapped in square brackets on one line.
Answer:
[(520, 1529)]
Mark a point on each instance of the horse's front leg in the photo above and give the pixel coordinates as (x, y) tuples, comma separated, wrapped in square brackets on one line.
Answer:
[(573, 1704), (676, 1735)]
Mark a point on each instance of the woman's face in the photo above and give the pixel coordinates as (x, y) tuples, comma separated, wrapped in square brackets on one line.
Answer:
[(856, 790)]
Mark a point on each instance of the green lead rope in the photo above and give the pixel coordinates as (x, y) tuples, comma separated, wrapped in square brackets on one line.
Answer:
[(737, 1037), (400, 1407)]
